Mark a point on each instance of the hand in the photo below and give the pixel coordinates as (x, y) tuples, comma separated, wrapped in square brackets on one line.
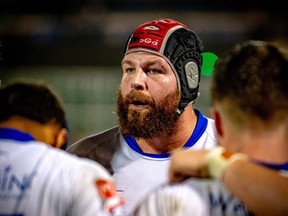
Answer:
[(201, 163), (187, 163)]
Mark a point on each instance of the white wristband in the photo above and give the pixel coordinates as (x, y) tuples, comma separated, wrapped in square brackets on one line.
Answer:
[(217, 161)]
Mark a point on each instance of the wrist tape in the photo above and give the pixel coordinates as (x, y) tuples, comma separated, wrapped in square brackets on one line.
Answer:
[(218, 159)]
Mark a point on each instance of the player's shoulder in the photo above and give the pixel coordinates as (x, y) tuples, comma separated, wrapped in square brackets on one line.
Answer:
[(73, 163), (207, 121), (99, 147), (95, 140), (208, 137), (219, 200), (210, 197)]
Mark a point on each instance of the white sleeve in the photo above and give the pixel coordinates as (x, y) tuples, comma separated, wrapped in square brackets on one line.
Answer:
[(192, 197), (91, 191), (173, 200)]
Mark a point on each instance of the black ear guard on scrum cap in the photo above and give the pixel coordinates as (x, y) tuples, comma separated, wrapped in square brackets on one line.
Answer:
[(180, 47), (184, 49)]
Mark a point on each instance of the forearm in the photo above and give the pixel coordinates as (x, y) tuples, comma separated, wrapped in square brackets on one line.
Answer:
[(264, 191)]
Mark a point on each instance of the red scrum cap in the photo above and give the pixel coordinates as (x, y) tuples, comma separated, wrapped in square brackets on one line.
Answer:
[(179, 46)]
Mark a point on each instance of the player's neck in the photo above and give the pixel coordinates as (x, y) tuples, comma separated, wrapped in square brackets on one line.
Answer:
[(267, 145)]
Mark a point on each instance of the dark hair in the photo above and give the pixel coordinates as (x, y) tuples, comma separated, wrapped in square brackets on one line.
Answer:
[(33, 100), (253, 76)]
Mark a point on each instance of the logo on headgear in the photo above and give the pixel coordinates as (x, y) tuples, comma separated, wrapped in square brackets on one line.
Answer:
[(180, 47), (149, 41)]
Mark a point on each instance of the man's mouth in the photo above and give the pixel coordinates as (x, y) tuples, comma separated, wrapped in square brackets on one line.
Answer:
[(138, 105)]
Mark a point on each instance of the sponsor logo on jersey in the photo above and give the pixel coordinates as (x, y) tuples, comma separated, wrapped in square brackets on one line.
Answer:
[(113, 202)]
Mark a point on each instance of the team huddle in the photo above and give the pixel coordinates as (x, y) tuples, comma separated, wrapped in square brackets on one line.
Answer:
[(164, 157)]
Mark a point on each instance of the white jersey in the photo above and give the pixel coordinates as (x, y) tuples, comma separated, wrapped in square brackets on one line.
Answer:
[(192, 197), (137, 173), (38, 180)]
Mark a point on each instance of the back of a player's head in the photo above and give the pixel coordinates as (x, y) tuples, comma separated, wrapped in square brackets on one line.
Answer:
[(179, 46), (32, 100), (252, 77)]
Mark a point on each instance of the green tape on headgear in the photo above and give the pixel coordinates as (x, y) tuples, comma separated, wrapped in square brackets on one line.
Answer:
[(209, 60)]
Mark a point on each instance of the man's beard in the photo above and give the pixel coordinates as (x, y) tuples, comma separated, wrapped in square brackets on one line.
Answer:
[(157, 119)]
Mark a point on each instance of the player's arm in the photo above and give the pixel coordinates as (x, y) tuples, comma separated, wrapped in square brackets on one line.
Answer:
[(264, 191), (93, 191), (187, 163)]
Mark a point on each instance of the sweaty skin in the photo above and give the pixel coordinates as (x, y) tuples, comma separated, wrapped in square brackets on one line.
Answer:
[(149, 73)]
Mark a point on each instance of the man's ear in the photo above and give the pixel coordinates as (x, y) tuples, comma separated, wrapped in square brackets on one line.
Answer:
[(218, 121), (61, 138)]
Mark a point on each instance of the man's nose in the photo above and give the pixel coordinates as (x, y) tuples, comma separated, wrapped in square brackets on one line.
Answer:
[(139, 80)]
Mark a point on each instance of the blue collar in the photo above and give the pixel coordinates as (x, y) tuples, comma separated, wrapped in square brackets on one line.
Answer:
[(13, 134), (200, 128), (283, 166)]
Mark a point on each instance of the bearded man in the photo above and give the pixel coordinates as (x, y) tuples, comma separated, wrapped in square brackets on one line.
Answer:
[(160, 83)]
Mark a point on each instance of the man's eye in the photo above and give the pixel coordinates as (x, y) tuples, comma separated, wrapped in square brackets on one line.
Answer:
[(129, 70), (153, 71)]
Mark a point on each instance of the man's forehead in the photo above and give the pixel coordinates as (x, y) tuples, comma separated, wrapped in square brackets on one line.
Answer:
[(141, 55)]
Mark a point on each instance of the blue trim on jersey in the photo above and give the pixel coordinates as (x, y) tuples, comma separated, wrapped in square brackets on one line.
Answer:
[(283, 166), (13, 134), (200, 127), (131, 141)]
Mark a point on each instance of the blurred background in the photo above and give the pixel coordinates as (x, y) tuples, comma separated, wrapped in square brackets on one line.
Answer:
[(77, 45)]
